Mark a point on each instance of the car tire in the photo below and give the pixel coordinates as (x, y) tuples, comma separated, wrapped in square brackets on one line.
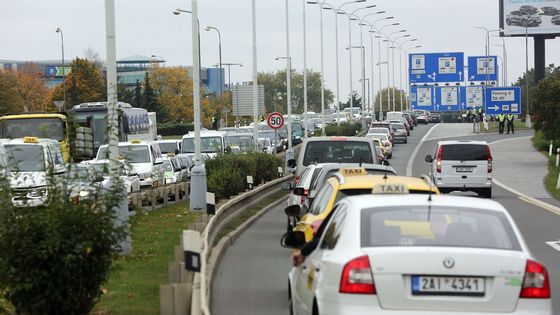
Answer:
[(508, 21), (524, 23), (390, 156), (443, 191), (290, 301), (406, 141), (486, 193)]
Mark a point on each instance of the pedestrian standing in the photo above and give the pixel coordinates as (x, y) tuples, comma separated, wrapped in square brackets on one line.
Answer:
[(510, 118), (501, 121)]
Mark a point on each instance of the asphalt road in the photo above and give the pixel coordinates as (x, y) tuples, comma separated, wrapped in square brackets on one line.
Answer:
[(253, 276)]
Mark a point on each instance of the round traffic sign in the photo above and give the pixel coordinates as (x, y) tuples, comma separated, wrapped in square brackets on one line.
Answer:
[(275, 120)]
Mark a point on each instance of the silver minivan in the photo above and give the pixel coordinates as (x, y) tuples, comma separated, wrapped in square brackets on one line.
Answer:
[(462, 166)]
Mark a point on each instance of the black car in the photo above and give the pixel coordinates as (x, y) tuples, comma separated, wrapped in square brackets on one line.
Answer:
[(556, 20), (552, 11), (528, 10), (436, 118), (522, 19)]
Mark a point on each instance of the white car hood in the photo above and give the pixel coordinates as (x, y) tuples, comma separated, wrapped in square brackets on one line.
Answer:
[(142, 168), (28, 179)]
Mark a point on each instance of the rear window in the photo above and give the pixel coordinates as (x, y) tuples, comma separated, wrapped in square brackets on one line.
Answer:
[(464, 152), (338, 152), (440, 226)]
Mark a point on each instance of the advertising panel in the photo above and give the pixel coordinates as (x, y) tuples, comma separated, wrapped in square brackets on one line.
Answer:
[(536, 17)]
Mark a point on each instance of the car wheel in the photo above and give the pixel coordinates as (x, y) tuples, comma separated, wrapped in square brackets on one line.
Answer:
[(290, 301), (486, 193), (508, 21), (524, 23), (390, 156), (406, 141)]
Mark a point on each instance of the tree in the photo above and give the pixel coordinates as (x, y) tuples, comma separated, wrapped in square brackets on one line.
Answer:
[(530, 75), (356, 101), (125, 94), (276, 91), (397, 101), (546, 105), (23, 90), (93, 57), (83, 84), (172, 89), (9, 100), (138, 100)]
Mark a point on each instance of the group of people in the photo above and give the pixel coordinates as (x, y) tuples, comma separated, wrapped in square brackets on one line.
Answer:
[(502, 120)]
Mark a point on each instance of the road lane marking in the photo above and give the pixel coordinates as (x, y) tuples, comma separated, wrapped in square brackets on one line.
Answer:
[(415, 152), (554, 244)]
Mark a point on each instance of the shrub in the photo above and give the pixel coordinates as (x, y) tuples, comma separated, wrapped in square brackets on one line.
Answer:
[(55, 258), (174, 128), (541, 143), (345, 129)]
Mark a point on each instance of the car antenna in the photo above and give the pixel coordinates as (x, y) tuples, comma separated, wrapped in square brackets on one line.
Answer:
[(386, 172), (430, 196)]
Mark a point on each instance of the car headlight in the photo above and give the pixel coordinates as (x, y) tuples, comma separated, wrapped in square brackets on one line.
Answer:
[(36, 193), (144, 175)]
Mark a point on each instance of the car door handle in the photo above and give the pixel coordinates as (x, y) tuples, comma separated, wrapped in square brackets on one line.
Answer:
[(464, 177), (304, 267)]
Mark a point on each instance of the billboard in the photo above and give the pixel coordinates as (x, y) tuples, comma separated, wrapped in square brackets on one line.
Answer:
[(537, 17), (55, 71), (436, 67), (242, 96)]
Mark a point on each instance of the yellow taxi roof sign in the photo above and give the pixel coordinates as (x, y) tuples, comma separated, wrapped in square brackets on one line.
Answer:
[(135, 141), (30, 140), (390, 189), (350, 171)]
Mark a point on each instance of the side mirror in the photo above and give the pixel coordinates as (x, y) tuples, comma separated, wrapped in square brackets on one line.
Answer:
[(299, 191), (177, 151), (158, 161), (386, 163), (292, 163), (286, 186), (228, 150), (293, 239), (428, 158), (293, 211), (59, 169)]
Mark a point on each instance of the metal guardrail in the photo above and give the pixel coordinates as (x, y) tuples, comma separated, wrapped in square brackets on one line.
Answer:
[(179, 192)]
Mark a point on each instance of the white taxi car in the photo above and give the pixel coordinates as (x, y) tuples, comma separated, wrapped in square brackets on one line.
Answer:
[(406, 254)]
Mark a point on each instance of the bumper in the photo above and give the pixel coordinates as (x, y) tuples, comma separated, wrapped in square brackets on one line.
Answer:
[(402, 138), (359, 306), (147, 182), (463, 186), (29, 202)]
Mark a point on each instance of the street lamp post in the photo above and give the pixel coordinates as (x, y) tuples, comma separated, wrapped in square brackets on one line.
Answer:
[(380, 32), (364, 22), (208, 28), (392, 63), (528, 116), (395, 41), (505, 57), (406, 70), (362, 48), (255, 86), (288, 97), (305, 71), (59, 30), (229, 64)]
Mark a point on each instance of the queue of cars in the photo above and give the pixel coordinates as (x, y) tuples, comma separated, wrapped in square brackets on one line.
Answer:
[(379, 243)]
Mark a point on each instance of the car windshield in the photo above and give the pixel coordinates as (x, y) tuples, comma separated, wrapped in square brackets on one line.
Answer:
[(130, 153), (207, 144), (167, 166), (167, 147), (397, 126), (243, 142), (381, 136), (436, 226), (25, 158), (337, 152), (464, 152), (49, 128), (296, 127), (378, 130)]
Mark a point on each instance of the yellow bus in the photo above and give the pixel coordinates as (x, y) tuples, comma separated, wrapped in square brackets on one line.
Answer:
[(49, 126)]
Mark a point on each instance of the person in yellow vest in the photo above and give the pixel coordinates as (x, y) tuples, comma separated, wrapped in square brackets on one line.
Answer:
[(510, 118), (501, 121)]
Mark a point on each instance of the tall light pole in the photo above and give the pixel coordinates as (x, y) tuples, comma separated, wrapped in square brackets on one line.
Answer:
[(395, 41), (364, 22), (351, 17), (208, 28), (379, 59), (255, 86), (229, 64), (389, 41), (304, 71), (336, 13), (505, 56), (362, 49), (406, 71), (487, 50), (288, 96), (528, 116), (59, 30), (380, 36)]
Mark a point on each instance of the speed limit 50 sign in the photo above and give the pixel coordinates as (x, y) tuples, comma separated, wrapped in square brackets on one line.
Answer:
[(275, 120)]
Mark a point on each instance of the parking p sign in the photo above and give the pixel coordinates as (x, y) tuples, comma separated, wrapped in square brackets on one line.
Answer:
[(275, 120)]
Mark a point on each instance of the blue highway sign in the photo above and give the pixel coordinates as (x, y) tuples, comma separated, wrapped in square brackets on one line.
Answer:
[(436, 67), (448, 98), (505, 100), (422, 97), (479, 67), (472, 96)]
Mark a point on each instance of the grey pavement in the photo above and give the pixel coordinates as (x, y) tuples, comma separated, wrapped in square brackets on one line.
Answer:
[(451, 130), (518, 165)]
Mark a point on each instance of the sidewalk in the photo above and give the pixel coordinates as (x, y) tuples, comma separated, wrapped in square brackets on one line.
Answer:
[(519, 166)]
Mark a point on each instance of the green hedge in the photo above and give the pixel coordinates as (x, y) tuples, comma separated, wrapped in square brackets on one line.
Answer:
[(541, 143), (345, 129), (227, 174), (174, 128)]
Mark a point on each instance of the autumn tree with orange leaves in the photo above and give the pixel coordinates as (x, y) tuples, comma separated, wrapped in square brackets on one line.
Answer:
[(23, 90)]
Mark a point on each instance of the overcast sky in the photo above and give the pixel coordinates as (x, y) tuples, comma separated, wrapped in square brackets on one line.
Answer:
[(145, 27)]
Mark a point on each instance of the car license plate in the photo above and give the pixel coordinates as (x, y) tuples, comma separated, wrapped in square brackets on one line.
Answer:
[(464, 169), (434, 285)]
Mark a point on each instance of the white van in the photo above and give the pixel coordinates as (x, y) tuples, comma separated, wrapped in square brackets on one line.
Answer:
[(463, 166), (28, 161), (171, 147), (333, 150), (212, 143), (144, 157)]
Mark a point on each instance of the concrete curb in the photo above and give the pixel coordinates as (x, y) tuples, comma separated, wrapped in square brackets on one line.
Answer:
[(225, 242)]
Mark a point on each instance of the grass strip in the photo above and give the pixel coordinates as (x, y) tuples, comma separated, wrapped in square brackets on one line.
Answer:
[(133, 285), (493, 127), (248, 213), (552, 177)]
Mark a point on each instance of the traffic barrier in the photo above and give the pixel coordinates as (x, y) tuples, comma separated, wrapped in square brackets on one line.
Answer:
[(199, 284)]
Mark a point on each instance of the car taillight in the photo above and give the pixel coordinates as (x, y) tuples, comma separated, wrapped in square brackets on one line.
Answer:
[(357, 277), (489, 159), (535, 282), (438, 161), (297, 179), (316, 225), (387, 143)]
